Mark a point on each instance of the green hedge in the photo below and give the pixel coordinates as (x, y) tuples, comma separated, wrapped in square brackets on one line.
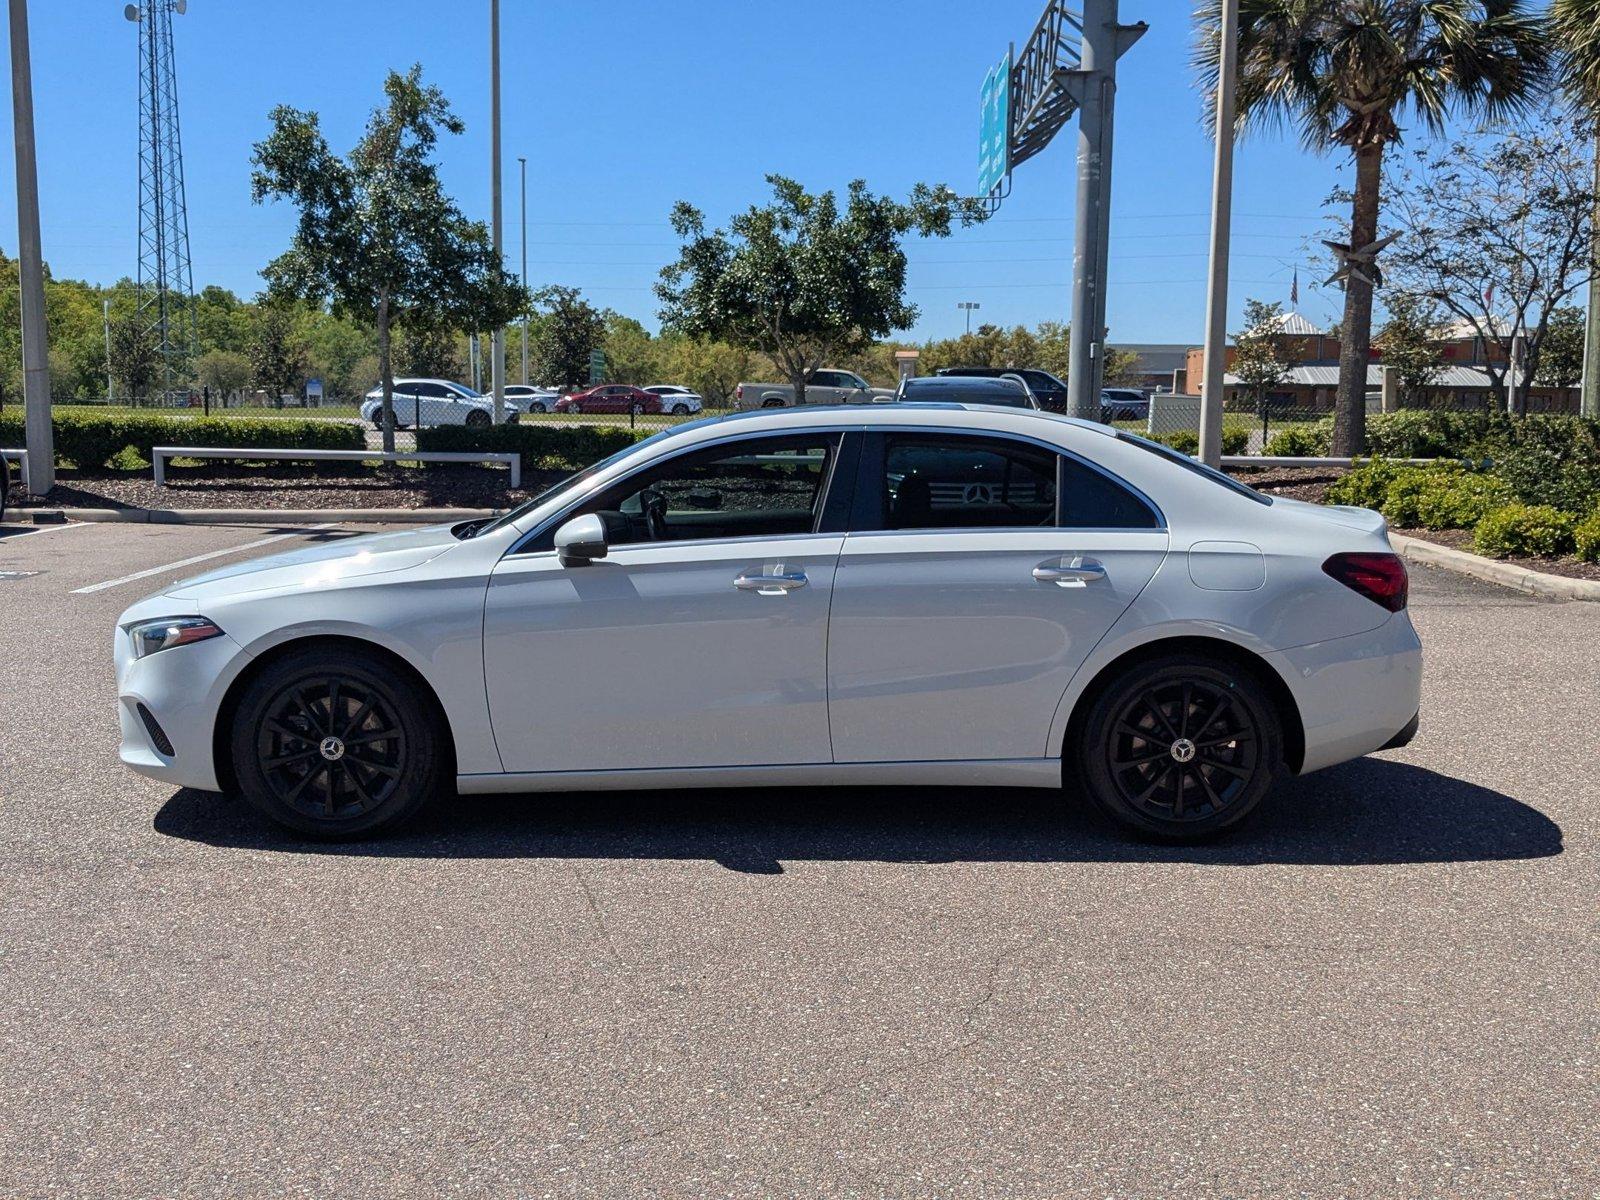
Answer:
[(553, 447), (1586, 537), (1535, 530), (1235, 440), (89, 441)]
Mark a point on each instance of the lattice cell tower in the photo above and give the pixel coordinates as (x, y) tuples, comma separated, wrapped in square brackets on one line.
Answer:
[(165, 279)]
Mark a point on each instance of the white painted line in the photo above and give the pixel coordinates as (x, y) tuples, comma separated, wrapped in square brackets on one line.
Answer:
[(12, 537), (199, 558)]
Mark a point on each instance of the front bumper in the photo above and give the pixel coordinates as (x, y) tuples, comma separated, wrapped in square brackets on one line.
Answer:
[(1355, 692), (181, 689)]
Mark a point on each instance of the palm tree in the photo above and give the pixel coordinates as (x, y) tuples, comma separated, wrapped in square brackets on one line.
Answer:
[(1575, 25), (1345, 73)]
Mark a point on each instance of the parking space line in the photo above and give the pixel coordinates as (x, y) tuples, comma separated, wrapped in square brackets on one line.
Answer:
[(199, 558), (13, 537)]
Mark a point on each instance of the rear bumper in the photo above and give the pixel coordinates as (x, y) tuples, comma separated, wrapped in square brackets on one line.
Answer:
[(1355, 692)]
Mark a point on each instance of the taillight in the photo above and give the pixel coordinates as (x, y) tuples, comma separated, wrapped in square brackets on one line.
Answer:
[(738, 392), (1381, 578)]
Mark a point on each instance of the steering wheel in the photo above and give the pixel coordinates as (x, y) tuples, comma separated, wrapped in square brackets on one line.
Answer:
[(654, 507)]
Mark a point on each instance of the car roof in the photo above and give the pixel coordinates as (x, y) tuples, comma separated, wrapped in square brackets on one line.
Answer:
[(965, 382), (888, 413)]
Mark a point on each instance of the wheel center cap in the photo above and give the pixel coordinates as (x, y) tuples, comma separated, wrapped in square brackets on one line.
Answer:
[(332, 749), (1182, 750)]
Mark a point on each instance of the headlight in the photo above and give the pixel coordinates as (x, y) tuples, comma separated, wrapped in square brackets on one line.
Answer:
[(149, 636)]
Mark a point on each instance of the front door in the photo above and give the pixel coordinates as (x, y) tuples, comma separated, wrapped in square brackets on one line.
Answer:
[(978, 574), (700, 640)]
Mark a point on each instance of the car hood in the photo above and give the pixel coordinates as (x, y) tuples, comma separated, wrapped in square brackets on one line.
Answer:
[(323, 565)]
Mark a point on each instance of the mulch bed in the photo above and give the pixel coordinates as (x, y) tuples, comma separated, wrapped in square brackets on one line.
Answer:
[(320, 485)]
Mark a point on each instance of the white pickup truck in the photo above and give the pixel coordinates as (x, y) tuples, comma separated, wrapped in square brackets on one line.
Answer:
[(826, 386)]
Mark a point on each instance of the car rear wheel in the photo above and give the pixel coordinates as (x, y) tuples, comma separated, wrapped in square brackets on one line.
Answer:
[(636, 408), (537, 407), (336, 744), (680, 410), (1181, 747), (477, 419)]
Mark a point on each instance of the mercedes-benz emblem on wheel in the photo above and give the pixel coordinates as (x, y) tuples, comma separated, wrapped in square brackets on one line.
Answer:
[(1182, 750), (333, 749)]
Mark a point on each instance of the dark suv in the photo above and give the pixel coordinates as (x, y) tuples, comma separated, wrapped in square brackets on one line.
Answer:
[(1049, 391)]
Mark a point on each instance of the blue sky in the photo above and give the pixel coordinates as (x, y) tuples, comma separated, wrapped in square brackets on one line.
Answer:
[(625, 107)]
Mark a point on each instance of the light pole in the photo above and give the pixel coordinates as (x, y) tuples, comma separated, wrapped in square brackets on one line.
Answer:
[(105, 321), (497, 340), (30, 258), (969, 306), (523, 163), (1216, 358)]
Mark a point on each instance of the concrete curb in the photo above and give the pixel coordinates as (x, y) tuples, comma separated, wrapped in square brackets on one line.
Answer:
[(274, 516), (1538, 583)]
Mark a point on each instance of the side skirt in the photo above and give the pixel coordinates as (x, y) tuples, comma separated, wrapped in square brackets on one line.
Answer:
[(997, 772)]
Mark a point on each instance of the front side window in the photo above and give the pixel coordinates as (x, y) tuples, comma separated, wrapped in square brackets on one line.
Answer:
[(763, 487)]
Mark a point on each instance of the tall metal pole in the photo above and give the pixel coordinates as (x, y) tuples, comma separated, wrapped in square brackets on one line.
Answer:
[(1086, 342), (1216, 356), (1589, 394), (105, 323), (523, 163), (497, 341), (30, 255)]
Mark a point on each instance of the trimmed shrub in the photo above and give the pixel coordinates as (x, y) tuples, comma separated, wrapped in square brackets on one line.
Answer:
[(1184, 441), (1586, 537), (1533, 530), (89, 441), (553, 447), (1367, 486), (1455, 499), (1235, 439), (1301, 441)]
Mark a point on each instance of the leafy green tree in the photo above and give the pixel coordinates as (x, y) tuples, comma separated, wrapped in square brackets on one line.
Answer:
[(632, 355), (1410, 343), (135, 357), (277, 353), (1344, 73), (430, 351), (1575, 26), (568, 330), (223, 371), (1260, 351), (713, 369), (377, 235), (802, 279), (1561, 359)]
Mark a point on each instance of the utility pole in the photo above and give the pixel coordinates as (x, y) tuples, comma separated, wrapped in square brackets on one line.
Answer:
[(523, 163), (969, 306), (105, 323), (1216, 356), (497, 340), (30, 257), (1094, 86), (1589, 394)]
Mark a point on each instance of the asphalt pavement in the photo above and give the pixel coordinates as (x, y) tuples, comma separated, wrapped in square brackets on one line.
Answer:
[(1385, 986)]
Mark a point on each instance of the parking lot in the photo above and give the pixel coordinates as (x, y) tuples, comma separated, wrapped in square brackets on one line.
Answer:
[(1384, 986)]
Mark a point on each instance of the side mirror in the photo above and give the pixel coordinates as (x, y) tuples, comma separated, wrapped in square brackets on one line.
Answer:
[(581, 540)]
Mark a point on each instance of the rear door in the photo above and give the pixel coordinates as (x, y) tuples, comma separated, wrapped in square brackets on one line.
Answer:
[(979, 572)]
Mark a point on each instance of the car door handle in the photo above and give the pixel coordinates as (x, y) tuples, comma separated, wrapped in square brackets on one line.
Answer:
[(1078, 573), (771, 585)]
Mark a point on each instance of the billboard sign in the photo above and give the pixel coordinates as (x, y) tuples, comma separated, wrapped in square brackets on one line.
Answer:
[(994, 130)]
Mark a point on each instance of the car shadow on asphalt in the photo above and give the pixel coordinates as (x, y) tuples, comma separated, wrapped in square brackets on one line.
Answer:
[(1368, 812)]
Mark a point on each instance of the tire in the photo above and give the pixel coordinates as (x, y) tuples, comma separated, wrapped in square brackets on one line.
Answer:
[(536, 407), (1215, 746), (636, 408), (477, 419), (680, 410), (772, 404), (574, 407), (307, 723)]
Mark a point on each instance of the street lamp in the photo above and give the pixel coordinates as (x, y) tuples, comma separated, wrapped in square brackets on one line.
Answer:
[(524, 165), (970, 306), (497, 340)]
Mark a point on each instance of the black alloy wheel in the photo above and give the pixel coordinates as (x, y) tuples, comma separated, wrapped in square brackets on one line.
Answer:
[(335, 744), (1181, 748)]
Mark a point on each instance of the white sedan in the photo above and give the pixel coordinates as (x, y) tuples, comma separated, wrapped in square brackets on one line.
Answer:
[(421, 403), (926, 595), (679, 401)]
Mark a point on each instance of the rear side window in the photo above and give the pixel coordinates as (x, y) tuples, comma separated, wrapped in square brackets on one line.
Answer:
[(1195, 465), (954, 481)]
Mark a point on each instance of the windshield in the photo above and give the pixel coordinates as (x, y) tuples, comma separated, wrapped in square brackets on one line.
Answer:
[(573, 481), (1195, 465)]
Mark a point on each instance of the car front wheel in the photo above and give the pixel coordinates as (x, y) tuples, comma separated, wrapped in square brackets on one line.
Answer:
[(574, 408), (1180, 747), (477, 419), (536, 407), (680, 410), (335, 744)]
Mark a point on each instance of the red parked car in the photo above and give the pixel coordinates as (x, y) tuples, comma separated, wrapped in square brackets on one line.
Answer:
[(610, 398)]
